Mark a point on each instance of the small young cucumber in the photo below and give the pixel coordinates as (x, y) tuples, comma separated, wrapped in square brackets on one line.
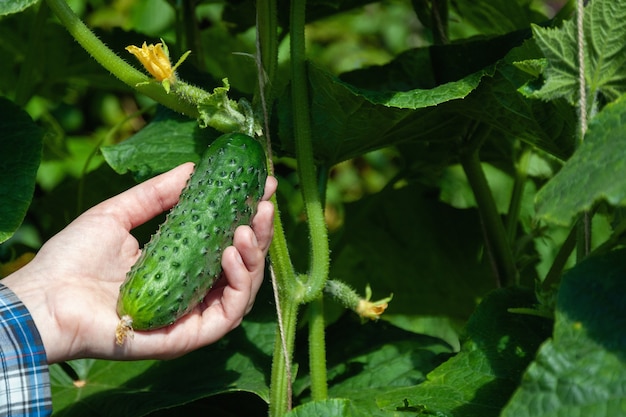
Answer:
[(180, 263)]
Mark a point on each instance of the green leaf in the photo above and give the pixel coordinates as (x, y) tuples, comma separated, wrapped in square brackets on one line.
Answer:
[(374, 355), (500, 102), (20, 155), (168, 141), (418, 97), (581, 371), (336, 407), (241, 361), (15, 6), (605, 53), (92, 378), (480, 379), (220, 112), (594, 173), (348, 121)]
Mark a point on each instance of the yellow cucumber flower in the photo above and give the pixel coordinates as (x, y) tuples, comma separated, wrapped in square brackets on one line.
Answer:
[(372, 310), (156, 60)]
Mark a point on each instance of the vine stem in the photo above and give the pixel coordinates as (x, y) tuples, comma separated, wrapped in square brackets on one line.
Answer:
[(495, 234), (284, 280), (319, 257), (280, 388), (584, 233), (317, 350), (515, 204), (319, 263), (115, 64)]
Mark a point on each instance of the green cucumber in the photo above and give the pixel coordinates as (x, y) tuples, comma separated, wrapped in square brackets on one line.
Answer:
[(180, 263)]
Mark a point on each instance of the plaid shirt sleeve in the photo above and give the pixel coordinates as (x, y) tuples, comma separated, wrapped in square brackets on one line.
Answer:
[(24, 378)]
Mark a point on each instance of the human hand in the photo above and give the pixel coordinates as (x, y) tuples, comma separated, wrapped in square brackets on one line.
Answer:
[(72, 285)]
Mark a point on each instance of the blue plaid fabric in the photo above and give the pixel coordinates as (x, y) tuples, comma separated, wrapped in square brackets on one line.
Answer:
[(24, 378)]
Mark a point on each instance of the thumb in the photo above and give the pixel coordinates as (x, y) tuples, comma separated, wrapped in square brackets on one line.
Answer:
[(144, 201)]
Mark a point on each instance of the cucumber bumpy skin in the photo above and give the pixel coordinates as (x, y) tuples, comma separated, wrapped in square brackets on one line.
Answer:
[(180, 263)]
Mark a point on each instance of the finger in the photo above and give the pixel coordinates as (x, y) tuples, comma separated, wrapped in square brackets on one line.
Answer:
[(271, 184), (148, 199), (263, 225), (246, 243), (238, 296)]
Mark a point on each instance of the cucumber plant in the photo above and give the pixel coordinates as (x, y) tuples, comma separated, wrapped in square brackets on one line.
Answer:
[(499, 227)]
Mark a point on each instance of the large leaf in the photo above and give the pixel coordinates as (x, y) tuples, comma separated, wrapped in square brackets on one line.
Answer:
[(21, 147), (169, 140), (581, 371), (348, 121), (480, 379), (547, 125), (595, 172), (336, 407), (239, 362), (374, 355), (476, 382), (14, 6), (605, 53), (428, 96)]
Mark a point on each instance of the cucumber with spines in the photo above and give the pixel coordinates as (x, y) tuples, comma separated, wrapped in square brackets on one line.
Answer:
[(182, 260)]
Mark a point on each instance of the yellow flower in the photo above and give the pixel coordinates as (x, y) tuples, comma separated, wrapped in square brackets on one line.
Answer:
[(155, 60), (372, 310)]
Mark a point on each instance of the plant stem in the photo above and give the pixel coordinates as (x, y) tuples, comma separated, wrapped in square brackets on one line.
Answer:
[(439, 18), (319, 263), (317, 349), (267, 47), (556, 269), (584, 233), (284, 278), (116, 65), (280, 385), (495, 234), (191, 38), (267, 62), (281, 259), (515, 205)]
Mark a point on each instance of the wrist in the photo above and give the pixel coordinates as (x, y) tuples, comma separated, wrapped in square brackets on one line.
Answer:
[(34, 295)]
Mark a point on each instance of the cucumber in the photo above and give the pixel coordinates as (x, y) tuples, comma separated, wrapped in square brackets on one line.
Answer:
[(182, 260)]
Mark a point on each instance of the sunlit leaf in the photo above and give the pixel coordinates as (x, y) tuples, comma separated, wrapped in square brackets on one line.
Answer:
[(375, 355), (582, 369), (594, 173), (336, 407), (605, 53), (500, 103), (348, 121), (480, 379), (15, 6), (169, 140)]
